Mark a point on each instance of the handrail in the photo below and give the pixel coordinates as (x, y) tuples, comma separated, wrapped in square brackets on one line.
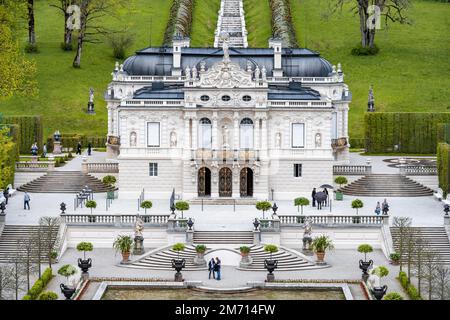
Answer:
[(334, 220)]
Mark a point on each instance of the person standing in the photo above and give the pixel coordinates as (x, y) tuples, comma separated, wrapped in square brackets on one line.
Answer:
[(211, 265), (26, 201), (34, 149), (326, 192), (89, 149), (385, 207), (218, 266), (378, 208), (44, 150), (79, 148), (313, 195), (6, 194)]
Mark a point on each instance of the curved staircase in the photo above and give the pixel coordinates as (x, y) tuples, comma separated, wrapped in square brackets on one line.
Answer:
[(386, 185), (64, 182)]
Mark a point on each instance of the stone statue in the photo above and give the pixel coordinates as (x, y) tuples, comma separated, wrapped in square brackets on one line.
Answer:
[(307, 237), (121, 68), (278, 140), (188, 73), (194, 73), (318, 140), (173, 139), (133, 139), (202, 66), (249, 66), (371, 100), (138, 226), (225, 137), (91, 95), (117, 66), (257, 73), (264, 73), (225, 40)]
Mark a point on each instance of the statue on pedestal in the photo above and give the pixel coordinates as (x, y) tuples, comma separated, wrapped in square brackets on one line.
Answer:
[(138, 237), (91, 101), (307, 237), (371, 101)]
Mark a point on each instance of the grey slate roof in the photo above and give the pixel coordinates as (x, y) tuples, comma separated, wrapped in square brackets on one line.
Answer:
[(295, 62)]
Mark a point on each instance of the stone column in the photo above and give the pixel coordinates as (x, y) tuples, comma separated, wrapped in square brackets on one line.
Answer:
[(264, 138), (214, 131), (236, 130), (189, 236), (187, 137), (84, 165), (194, 133), (256, 134), (256, 237), (446, 221)]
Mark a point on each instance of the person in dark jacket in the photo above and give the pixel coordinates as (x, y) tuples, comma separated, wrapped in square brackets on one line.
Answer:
[(6, 194), (217, 267), (313, 195), (79, 148), (211, 265), (89, 149), (326, 192)]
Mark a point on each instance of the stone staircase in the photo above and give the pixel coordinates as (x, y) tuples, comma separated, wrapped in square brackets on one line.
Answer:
[(386, 185), (436, 237), (14, 234), (64, 182), (231, 20), (223, 237)]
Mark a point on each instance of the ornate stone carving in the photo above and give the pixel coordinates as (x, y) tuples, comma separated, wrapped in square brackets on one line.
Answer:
[(173, 139), (133, 139), (318, 140)]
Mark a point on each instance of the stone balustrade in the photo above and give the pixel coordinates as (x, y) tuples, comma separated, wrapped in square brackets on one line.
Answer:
[(163, 220), (332, 220), (358, 170), (102, 167), (418, 170), (35, 166)]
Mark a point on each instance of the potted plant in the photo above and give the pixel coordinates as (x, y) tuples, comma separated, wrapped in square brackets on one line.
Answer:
[(270, 264), (48, 295), (321, 244), (357, 204), (393, 296), (200, 249), (124, 243), (395, 258), (109, 181), (301, 202), (182, 206), (263, 206), (178, 264), (91, 204), (379, 291), (67, 271), (245, 254), (365, 265), (84, 263), (340, 181), (147, 204)]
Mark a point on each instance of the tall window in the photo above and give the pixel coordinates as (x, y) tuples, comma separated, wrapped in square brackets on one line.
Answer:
[(205, 134), (297, 170), (334, 126), (153, 169), (246, 133), (153, 134), (298, 135)]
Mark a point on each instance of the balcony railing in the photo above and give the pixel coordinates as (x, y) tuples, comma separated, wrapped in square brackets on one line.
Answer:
[(418, 170), (358, 170), (211, 154), (35, 166), (103, 167)]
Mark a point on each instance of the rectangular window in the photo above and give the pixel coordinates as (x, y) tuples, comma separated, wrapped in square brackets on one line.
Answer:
[(204, 136), (298, 135), (297, 170), (153, 169), (334, 126), (153, 134), (246, 135)]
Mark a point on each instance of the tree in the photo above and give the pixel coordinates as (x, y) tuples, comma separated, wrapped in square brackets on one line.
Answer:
[(109, 180), (263, 206), (357, 204), (91, 204), (442, 283), (420, 248), (402, 224), (390, 11), (5, 280), (16, 72), (91, 14), (38, 246), (26, 253), (340, 181), (31, 26), (301, 202), (85, 246), (50, 227), (431, 263), (410, 238), (365, 248), (67, 271), (147, 204), (16, 274), (64, 5), (178, 247), (182, 206)]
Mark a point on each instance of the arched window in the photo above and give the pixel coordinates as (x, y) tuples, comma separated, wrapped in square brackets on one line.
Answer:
[(204, 133), (246, 133)]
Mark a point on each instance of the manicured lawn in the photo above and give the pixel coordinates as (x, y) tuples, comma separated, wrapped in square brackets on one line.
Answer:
[(205, 23), (63, 90), (409, 74), (257, 20)]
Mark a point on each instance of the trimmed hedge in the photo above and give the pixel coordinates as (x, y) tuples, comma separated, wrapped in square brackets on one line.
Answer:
[(409, 287), (39, 285), (70, 140), (9, 154), (31, 131), (443, 132), (357, 143), (413, 132), (443, 166)]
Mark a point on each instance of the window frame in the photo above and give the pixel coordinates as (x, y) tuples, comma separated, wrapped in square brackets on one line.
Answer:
[(296, 170), (153, 169), (292, 135), (159, 135)]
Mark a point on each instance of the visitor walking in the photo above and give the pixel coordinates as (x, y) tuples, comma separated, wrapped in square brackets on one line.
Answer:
[(217, 267), (6, 194), (89, 149), (44, 150), (211, 265), (79, 148), (34, 149), (26, 201), (378, 208), (385, 207), (313, 195), (326, 192)]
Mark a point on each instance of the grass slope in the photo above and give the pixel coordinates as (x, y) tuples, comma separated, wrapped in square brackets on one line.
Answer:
[(205, 23), (63, 90), (258, 22), (409, 74)]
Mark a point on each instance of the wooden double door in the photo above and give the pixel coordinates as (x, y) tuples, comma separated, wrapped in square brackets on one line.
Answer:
[(225, 182), (246, 182)]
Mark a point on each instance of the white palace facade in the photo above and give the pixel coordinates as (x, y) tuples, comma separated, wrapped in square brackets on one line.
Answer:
[(226, 122)]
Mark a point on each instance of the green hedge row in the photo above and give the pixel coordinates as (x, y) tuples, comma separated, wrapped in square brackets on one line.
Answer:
[(411, 132), (70, 140), (357, 143), (31, 131), (9, 154), (39, 285), (443, 165), (410, 289), (443, 132)]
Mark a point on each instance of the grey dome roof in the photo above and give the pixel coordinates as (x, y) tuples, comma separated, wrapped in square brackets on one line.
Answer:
[(295, 62)]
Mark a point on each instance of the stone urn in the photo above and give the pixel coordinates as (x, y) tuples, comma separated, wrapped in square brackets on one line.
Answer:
[(84, 266), (199, 259), (67, 291), (320, 257), (125, 257), (178, 265), (270, 265), (364, 266), (379, 292)]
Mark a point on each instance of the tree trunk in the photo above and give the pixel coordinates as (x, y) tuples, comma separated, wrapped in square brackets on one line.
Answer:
[(367, 35), (77, 60), (31, 27), (67, 32)]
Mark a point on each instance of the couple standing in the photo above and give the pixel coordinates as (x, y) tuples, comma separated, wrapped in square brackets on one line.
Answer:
[(214, 267)]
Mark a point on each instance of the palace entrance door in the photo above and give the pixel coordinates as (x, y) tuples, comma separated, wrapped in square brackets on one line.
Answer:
[(246, 182), (204, 182), (225, 182)]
